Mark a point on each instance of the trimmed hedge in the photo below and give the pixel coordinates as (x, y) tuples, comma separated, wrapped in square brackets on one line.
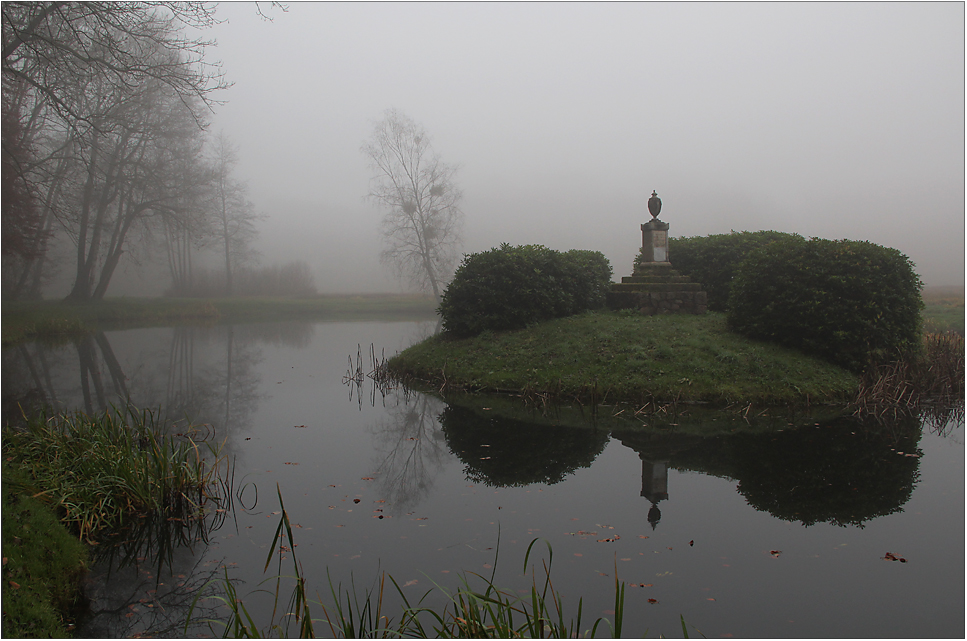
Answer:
[(511, 287), (711, 260), (846, 301)]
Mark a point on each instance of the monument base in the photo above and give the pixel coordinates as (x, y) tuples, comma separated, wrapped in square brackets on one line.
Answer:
[(656, 288)]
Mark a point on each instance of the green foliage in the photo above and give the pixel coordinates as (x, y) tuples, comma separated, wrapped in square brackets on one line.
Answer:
[(622, 356), (42, 564), (711, 260), (103, 468), (845, 301), (511, 287)]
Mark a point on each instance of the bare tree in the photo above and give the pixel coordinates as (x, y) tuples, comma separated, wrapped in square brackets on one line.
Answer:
[(81, 79), (233, 219), (422, 227)]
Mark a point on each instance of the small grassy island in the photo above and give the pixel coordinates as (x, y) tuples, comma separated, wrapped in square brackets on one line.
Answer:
[(613, 356)]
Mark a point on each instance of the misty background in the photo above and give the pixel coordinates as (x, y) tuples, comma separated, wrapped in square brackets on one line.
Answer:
[(836, 120)]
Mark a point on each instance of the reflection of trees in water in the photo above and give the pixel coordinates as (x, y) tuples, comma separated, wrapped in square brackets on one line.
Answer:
[(27, 380), (296, 334), (208, 375), (841, 472), (504, 452), (94, 354), (145, 578), (410, 448)]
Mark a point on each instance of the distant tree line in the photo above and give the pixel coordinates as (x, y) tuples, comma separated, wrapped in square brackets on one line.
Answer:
[(291, 279), (104, 150)]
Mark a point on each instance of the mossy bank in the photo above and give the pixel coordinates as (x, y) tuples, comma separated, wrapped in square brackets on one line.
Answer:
[(622, 356), (42, 564)]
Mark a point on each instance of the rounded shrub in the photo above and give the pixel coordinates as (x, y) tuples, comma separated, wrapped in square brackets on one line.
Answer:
[(510, 287), (711, 260), (846, 301)]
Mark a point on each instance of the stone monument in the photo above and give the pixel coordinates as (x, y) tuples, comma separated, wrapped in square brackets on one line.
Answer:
[(654, 234), (654, 287)]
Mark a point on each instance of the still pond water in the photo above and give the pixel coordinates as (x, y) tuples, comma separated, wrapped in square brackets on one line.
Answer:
[(753, 532)]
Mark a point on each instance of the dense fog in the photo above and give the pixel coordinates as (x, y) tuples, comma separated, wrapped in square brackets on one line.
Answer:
[(835, 120)]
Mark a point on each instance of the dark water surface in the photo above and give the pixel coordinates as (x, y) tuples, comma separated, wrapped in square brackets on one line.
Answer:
[(750, 533)]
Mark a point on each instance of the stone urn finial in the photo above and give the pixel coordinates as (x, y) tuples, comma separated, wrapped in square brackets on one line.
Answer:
[(654, 204)]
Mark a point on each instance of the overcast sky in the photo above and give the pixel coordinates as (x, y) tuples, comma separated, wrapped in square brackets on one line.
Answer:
[(837, 120)]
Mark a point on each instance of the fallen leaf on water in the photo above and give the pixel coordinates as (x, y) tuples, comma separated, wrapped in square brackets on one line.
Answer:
[(710, 599), (367, 478), (642, 536), (692, 543), (356, 500), (578, 554), (775, 553), (290, 463), (409, 583), (652, 600)]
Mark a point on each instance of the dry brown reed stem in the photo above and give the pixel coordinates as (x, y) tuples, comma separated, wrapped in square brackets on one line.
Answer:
[(931, 379)]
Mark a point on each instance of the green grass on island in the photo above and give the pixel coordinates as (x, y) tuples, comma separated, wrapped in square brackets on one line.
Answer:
[(623, 356)]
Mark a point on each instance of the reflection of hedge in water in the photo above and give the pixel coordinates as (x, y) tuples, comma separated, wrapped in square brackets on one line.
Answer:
[(842, 473), (503, 452)]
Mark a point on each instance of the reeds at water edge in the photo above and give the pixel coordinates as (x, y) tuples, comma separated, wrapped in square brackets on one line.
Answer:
[(103, 468), (929, 381), (485, 611)]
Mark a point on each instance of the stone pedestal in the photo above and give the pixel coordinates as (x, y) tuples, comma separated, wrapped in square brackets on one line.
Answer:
[(654, 287), (654, 242)]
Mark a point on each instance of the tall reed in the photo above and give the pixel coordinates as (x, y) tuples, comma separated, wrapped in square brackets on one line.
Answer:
[(485, 611), (929, 380), (103, 468)]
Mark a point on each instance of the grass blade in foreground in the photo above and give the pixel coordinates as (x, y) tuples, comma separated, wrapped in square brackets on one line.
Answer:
[(483, 613)]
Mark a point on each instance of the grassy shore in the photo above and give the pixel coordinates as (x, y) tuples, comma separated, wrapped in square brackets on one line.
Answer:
[(47, 319), (944, 309), (621, 356), (68, 478), (42, 564)]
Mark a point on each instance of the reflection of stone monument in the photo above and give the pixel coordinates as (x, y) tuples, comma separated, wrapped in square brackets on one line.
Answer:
[(654, 287), (654, 486)]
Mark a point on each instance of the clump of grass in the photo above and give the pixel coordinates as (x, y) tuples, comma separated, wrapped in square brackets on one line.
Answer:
[(928, 379), (42, 565), (101, 469), (495, 613), (484, 612)]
